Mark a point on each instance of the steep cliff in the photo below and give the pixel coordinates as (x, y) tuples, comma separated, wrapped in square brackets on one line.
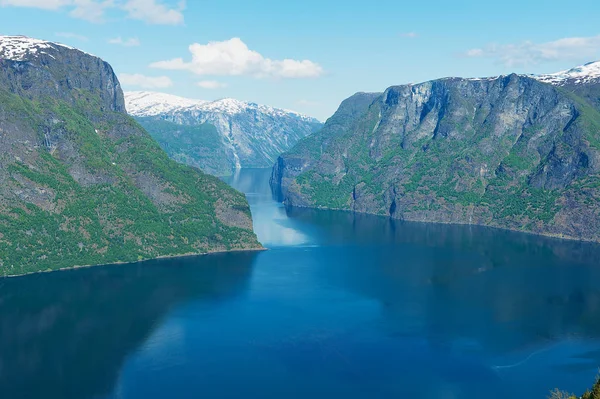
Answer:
[(222, 135), (514, 151), (81, 183)]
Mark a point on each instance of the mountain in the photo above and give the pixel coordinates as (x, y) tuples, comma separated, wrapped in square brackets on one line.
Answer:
[(584, 81), (515, 152), (219, 136), (81, 183), (585, 74)]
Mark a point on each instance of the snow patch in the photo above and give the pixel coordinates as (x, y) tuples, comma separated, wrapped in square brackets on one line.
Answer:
[(588, 73), (146, 103), (22, 48)]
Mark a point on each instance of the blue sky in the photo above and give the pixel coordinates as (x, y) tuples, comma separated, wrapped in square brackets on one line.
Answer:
[(310, 55)]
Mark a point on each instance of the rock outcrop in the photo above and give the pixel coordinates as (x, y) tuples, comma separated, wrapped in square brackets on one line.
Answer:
[(219, 136), (81, 183), (515, 152)]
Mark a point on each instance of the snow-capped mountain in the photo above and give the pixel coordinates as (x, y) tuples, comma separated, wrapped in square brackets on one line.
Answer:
[(21, 54), (146, 103), (247, 135), (19, 48), (581, 75), (584, 74), (583, 81)]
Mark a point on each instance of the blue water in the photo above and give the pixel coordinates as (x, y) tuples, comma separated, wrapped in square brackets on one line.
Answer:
[(341, 305)]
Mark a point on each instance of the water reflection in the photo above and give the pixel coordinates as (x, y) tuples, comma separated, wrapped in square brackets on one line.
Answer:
[(342, 305), (343, 227), (510, 300), (530, 288), (66, 334), (271, 223)]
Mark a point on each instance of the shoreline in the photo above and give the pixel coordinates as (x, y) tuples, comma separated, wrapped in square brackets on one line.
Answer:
[(528, 232), (188, 255)]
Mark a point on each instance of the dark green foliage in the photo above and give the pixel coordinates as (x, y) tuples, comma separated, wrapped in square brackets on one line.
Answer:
[(195, 145), (594, 393), (140, 205), (509, 152)]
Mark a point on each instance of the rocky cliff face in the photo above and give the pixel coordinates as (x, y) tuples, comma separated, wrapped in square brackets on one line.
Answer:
[(513, 152), (35, 69), (584, 81), (81, 183), (222, 135)]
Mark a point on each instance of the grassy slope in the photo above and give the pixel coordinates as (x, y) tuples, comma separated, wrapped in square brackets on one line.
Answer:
[(196, 145), (107, 223), (440, 172)]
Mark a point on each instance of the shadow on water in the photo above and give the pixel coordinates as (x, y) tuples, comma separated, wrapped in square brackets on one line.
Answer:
[(507, 291), (339, 227), (66, 334), (343, 305), (456, 310), (516, 304)]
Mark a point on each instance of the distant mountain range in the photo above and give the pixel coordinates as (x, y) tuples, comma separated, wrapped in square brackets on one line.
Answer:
[(520, 152), (81, 183), (219, 136)]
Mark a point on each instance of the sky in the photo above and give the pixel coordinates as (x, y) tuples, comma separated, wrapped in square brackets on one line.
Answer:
[(310, 55)]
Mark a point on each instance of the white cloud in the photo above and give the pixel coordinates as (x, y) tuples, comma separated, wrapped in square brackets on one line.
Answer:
[(410, 35), (211, 84), (154, 12), (233, 57), (131, 42), (475, 52), (145, 82), (70, 35), (530, 53), (150, 11), (44, 4), (90, 10)]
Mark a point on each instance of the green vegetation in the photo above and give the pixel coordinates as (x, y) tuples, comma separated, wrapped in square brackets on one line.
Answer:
[(104, 192), (195, 145), (326, 193), (440, 168), (589, 118), (517, 154), (594, 393)]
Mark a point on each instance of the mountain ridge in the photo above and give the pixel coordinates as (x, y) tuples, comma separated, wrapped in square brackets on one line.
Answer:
[(583, 74), (511, 152), (22, 48), (219, 136), (150, 103), (81, 183)]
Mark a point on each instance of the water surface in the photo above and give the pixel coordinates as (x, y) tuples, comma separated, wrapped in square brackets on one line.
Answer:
[(341, 305)]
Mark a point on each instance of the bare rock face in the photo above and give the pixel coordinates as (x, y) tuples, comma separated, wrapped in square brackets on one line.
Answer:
[(516, 152), (81, 183), (33, 68), (231, 216)]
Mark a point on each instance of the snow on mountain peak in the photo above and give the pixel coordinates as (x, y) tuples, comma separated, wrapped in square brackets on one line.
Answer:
[(18, 48), (582, 74), (145, 103)]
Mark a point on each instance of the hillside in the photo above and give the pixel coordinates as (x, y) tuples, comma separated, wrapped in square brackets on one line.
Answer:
[(219, 136), (81, 183), (516, 152)]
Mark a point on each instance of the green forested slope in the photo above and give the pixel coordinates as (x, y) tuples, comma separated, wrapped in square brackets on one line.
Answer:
[(81, 183), (508, 152)]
